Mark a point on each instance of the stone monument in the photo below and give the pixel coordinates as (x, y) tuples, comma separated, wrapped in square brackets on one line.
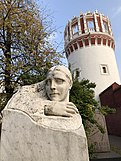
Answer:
[(40, 124)]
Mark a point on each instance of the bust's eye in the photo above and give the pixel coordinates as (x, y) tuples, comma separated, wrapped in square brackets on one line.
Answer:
[(59, 81)]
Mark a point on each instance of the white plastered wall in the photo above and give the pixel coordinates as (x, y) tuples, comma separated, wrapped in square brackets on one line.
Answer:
[(89, 61)]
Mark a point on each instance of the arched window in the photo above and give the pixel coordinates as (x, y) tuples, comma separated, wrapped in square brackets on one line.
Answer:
[(104, 69)]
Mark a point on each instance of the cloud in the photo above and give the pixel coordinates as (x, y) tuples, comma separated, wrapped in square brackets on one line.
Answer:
[(117, 11)]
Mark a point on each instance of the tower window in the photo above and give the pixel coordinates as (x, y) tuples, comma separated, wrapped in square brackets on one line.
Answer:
[(90, 26), (104, 69), (75, 29), (106, 26), (77, 73)]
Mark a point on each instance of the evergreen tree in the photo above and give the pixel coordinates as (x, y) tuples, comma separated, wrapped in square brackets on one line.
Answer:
[(82, 95)]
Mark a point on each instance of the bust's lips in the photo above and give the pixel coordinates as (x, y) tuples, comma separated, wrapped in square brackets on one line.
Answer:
[(53, 94)]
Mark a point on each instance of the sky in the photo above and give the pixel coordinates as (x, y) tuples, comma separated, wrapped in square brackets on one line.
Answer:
[(64, 10)]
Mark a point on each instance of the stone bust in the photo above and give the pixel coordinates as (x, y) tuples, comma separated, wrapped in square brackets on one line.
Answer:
[(48, 100), (39, 122), (57, 86)]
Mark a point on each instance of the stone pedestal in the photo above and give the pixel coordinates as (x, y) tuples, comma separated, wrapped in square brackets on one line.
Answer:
[(23, 139)]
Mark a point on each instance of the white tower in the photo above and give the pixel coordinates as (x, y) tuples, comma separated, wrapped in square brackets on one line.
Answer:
[(89, 46)]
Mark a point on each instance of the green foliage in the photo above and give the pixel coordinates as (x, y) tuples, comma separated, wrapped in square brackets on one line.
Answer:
[(33, 77), (105, 110), (25, 47), (82, 95), (91, 149)]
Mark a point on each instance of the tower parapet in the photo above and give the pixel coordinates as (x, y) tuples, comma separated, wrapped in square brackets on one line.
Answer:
[(86, 30)]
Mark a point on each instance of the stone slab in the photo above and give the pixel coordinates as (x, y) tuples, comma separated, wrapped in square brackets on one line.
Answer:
[(98, 139), (23, 139)]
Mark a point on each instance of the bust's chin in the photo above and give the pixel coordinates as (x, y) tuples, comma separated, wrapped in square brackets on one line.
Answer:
[(58, 98)]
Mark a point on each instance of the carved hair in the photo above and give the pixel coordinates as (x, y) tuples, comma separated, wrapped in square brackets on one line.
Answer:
[(62, 69)]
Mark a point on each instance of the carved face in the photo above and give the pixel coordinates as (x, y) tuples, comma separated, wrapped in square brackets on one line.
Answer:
[(57, 86)]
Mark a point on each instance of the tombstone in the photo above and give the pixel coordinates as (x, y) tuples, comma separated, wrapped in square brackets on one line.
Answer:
[(40, 124), (98, 139)]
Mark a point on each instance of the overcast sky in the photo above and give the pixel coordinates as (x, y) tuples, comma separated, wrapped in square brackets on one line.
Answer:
[(64, 10)]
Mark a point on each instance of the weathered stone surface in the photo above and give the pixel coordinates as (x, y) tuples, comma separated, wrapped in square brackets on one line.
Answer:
[(100, 140), (40, 124), (23, 139)]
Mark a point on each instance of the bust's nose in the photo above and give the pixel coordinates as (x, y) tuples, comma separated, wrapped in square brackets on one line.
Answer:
[(53, 85)]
